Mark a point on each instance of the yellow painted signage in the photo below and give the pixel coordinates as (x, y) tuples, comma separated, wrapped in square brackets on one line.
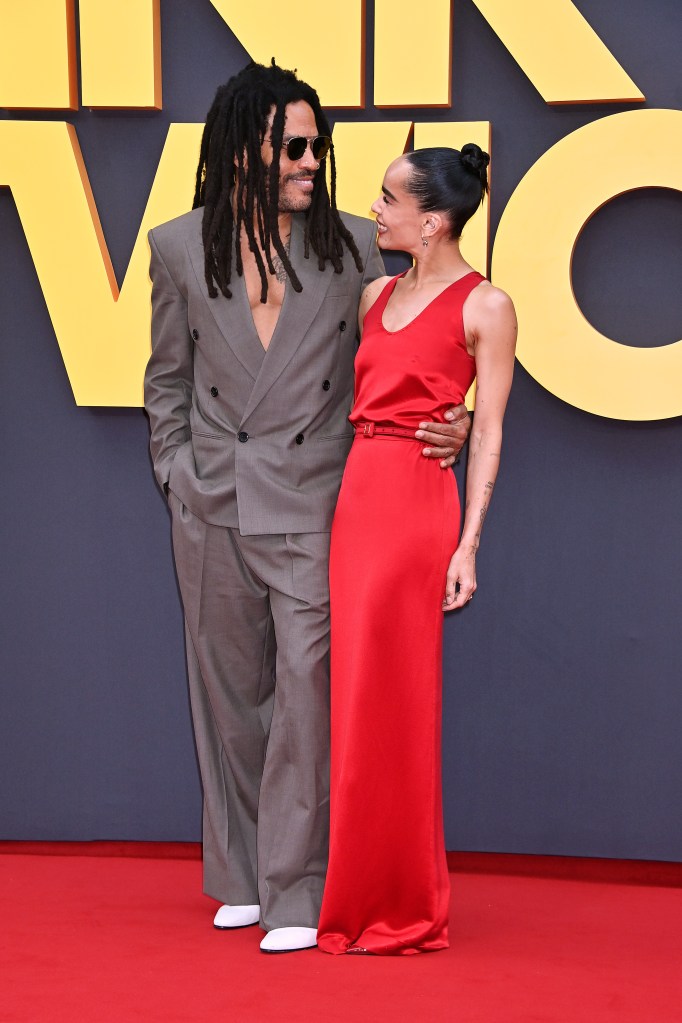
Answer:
[(120, 50), (551, 41), (120, 53), (564, 58), (325, 43), (38, 55), (532, 261), (103, 334)]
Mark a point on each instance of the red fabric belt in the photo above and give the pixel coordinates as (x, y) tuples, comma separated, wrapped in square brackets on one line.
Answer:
[(370, 430)]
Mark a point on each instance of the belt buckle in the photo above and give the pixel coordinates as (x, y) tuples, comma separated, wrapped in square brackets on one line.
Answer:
[(368, 430)]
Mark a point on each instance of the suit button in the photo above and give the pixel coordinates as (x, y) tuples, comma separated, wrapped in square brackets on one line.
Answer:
[(214, 392), (195, 334), (342, 325), (325, 385), (242, 437), (299, 438)]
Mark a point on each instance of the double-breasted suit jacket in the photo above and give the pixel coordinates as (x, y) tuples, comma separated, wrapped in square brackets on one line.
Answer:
[(247, 438), (251, 446)]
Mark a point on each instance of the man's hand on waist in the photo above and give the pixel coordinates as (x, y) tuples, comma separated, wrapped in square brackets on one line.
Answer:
[(445, 440)]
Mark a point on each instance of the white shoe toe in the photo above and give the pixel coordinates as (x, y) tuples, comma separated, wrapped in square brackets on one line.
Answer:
[(236, 916), (289, 939)]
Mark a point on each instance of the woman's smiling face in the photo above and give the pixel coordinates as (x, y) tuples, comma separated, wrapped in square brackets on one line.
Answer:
[(398, 216)]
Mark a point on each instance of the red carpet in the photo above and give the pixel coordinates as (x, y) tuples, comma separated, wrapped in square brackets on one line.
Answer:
[(103, 939)]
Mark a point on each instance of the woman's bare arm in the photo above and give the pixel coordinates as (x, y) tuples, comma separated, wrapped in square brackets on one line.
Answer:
[(490, 322)]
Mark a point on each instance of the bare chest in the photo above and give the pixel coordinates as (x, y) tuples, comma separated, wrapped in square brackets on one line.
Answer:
[(265, 314)]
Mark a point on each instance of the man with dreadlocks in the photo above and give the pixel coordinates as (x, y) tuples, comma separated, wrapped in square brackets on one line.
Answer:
[(254, 321)]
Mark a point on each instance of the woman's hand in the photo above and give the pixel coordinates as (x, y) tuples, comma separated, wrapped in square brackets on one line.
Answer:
[(460, 584)]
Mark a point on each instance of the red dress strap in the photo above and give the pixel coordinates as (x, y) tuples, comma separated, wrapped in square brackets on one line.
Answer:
[(377, 309), (465, 285)]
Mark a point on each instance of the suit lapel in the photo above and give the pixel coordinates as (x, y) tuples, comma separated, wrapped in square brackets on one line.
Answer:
[(298, 312), (232, 315)]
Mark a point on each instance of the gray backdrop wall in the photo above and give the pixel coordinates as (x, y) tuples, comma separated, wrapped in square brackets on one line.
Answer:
[(562, 680)]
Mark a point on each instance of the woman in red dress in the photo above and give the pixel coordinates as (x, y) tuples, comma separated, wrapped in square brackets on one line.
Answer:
[(395, 563)]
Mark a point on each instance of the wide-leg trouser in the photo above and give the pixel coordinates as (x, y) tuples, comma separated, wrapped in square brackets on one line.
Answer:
[(257, 631)]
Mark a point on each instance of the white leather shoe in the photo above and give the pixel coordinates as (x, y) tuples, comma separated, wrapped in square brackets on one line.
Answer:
[(236, 916), (289, 939)]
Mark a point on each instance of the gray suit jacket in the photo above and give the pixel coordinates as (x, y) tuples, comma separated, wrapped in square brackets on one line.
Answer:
[(246, 438)]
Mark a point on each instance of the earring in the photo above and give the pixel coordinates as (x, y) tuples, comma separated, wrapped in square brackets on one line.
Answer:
[(425, 241)]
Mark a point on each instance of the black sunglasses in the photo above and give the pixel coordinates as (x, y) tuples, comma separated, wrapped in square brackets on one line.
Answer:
[(296, 146)]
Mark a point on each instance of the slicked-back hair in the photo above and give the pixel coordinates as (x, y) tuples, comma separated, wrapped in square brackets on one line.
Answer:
[(449, 181), (238, 191)]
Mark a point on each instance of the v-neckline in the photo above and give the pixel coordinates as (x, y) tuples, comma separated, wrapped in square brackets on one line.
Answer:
[(421, 311), (254, 328), (248, 312)]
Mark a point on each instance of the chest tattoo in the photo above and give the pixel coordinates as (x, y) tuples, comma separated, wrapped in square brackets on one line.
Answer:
[(280, 272)]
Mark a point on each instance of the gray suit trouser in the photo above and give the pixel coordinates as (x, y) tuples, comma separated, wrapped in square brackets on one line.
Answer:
[(257, 632)]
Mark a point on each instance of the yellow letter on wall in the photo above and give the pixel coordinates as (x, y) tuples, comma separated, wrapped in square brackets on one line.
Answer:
[(103, 336), (38, 55), (412, 53), (120, 53), (363, 151), (564, 58), (532, 261), (324, 42)]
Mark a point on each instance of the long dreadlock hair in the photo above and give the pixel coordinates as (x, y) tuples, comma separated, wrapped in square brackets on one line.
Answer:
[(238, 191)]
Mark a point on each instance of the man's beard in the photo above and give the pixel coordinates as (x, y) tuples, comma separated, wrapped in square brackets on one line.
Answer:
[(288, 203)]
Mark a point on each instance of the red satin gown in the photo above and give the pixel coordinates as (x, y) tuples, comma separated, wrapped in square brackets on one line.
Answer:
[(395, 529)]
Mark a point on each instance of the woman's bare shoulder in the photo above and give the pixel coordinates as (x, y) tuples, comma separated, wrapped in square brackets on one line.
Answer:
[(372, 292), (490, 300)]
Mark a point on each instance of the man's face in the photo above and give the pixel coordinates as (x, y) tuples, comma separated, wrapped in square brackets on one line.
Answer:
[(295, 176)]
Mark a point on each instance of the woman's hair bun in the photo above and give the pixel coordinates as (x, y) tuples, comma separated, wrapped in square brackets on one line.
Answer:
[(449, 181), (474, 159)]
